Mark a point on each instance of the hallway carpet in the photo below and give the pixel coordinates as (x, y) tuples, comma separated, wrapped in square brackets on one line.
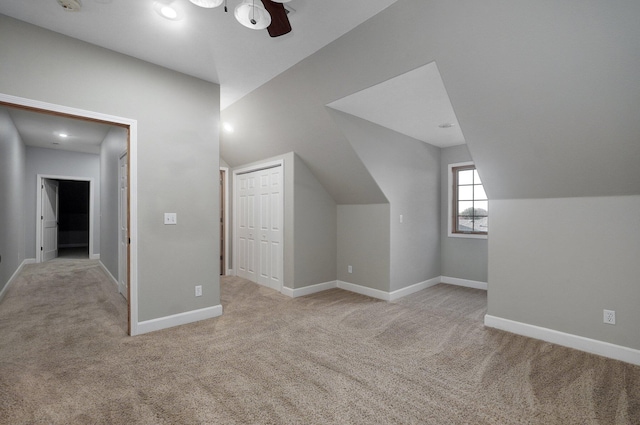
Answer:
[(330, 358)]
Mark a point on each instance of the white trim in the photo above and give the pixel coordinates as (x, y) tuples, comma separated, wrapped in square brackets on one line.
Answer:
[(106, 270), (464, 282), (178, 319), (227, 271), (308, 290), (363, 290), (450, 203), (403, 292), (94, 256), (593, 346), (15, 275), (40, 182), (133, 181)]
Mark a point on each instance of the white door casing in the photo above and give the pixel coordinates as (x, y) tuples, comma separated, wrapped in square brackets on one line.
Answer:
[(49, 219), (259, 209), (123, 226)]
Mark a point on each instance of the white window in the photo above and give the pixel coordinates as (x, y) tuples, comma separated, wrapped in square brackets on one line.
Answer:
[(468, 203)]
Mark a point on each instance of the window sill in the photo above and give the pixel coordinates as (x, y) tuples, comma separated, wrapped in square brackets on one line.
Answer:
[(467, 236)]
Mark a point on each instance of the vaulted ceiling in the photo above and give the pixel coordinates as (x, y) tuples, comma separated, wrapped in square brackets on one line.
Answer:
[(545, 93)]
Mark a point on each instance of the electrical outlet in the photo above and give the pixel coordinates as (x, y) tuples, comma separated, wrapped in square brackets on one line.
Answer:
[(609, 317), (350, 269), (199, 291)]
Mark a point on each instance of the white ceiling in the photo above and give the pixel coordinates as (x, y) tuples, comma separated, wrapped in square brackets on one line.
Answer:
[(43, 131), (415, 104)]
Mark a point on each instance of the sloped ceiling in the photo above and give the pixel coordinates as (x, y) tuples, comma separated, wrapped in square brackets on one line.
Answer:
[(415, 104), (546, 94)]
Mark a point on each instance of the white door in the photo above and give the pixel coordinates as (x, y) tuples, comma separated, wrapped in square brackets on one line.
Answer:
[(246, 226), (259, 231), (49, 219), (123, 227)]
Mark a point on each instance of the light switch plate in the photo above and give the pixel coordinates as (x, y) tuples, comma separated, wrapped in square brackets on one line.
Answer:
[(170, 218)]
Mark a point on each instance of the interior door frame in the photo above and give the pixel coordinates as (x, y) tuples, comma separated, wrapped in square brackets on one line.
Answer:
[(227, 270), (132, 148), (251, 169), (40, 182), (128, 223)]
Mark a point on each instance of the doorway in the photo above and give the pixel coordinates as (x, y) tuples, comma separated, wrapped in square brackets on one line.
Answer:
[(64, 217), (131, 143)]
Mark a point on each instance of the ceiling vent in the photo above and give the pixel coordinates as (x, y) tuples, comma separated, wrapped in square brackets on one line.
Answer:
[(70, 5)]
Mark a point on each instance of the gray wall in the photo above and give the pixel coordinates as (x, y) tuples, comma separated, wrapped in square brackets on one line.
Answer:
[(363, 243), (315, 227), (462, 258), (12, 187), (557, 263), (59, 163), (408, 173), (178, 120), (113, 145)]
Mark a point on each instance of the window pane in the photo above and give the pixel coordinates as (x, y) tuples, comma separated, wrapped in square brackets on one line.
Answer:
[(465, 177), (465, 193), (465, 224), (482, 208), (465, 208), (478, 192), (480, 224)]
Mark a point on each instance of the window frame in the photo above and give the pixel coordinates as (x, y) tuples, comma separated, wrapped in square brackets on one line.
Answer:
[(452, 204)]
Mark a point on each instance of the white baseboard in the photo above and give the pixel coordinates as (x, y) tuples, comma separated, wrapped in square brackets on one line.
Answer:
[(178, 319), (403, 292), (308, 290), (15, 274), (94, 256), (593, 346), (363, 290), (113, 279), (464, 282), (376, 293)]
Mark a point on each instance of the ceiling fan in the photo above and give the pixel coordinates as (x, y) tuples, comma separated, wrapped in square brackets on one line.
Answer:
[(257, 14)]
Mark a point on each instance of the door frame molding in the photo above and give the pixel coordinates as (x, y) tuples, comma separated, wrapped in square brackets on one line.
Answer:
[(227, 270), (132, 126), (250, 169), (40, 181)]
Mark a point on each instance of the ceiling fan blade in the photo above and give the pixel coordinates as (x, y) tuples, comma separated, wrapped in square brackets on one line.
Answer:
[(279, 21)]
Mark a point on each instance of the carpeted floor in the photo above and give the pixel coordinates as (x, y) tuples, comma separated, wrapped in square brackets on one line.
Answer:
[(330, 358)]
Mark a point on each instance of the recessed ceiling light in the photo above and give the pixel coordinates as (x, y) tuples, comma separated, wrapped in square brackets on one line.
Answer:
[(446, 125), (227, 127), (166, 10), (63, 135)]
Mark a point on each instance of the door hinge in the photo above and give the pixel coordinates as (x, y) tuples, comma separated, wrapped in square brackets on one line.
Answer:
[(129, 239), (41, 249), (41, 217)]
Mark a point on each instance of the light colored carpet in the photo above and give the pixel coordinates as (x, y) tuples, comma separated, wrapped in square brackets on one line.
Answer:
[(330, 358)]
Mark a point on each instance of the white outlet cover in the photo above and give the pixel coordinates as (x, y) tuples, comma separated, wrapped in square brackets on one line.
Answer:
[(170, 218), (609, 317)]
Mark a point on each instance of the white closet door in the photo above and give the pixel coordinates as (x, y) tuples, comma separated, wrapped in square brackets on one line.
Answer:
[(270, 222), (245, 226), (260, 204)]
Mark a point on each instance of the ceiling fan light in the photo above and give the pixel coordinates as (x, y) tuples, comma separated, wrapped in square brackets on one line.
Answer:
[(281, 1), (209, 4), (252, 14)]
